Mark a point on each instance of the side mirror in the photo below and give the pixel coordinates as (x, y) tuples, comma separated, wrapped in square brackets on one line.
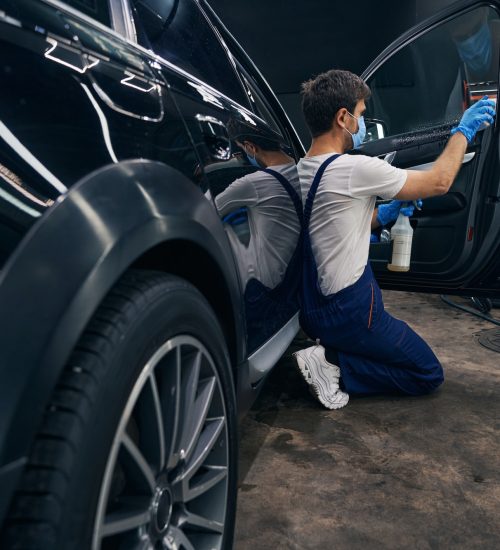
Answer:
[(375, 129)]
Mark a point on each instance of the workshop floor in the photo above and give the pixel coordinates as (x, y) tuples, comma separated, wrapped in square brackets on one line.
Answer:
[(384, 472)]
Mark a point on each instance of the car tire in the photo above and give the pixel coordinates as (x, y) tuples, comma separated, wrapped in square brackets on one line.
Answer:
[(138, 444)]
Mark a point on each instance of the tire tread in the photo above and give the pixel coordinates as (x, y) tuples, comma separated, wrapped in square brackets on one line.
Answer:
[(35, 511)]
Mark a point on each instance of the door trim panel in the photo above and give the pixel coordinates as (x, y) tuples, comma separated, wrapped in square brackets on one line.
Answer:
[(428, 165)]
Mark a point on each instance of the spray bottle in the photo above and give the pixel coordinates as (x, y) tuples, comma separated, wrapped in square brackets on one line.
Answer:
[(401, 235)]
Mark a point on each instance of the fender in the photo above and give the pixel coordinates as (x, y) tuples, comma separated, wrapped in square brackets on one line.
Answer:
[(67, 263)]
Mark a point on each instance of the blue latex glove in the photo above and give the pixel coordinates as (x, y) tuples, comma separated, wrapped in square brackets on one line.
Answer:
[(483, 111), (237, 217), (389, 212), (410, 208)]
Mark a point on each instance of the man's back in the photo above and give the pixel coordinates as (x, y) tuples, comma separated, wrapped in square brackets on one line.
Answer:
[(342, 212)]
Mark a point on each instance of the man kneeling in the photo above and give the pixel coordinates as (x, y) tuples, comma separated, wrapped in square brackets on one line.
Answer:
[(368, 351)]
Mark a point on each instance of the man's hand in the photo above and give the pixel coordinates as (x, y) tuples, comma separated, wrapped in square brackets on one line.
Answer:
[(481, 112), (389, 212), (438, 180)]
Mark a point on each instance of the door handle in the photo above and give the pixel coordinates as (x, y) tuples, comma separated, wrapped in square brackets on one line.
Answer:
[(389, 158), (428, 165), (137, 83), (216, 137), (68, 56)]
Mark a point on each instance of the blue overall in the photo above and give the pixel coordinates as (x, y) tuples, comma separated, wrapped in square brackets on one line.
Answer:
[(377, 354), (268, 309)]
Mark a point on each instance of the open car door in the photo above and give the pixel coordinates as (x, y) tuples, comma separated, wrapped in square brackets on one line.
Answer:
[(420, 87)]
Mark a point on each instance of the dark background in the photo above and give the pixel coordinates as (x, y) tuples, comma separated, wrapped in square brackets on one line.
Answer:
[(292, 41)]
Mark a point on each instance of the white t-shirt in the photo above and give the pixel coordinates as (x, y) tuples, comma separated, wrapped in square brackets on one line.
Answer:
[(342, 211), (274, 224)]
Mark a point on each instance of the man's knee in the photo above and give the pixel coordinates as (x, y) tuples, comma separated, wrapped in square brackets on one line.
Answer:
[(433, 378)]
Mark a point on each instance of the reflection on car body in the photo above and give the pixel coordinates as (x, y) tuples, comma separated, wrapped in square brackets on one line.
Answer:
[(262, 211), (115, 122)]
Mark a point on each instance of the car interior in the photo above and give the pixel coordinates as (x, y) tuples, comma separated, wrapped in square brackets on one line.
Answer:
[(417, 96)]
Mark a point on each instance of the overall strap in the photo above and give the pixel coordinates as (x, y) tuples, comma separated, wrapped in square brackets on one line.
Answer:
[(314, 187), (297, 203)]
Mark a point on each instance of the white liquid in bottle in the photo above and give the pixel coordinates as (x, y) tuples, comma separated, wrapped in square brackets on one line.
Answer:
[(401, 235)]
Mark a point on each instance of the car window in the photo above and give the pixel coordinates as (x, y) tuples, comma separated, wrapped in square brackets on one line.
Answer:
[(180, 33), (261, 107), (258, 103), (96, 9), (431, 81)]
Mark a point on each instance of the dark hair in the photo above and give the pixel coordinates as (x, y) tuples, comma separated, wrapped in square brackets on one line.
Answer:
[(240, 131), (324, 95)]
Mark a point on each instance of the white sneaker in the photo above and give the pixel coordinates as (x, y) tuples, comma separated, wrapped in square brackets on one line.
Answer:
[(322, 376)]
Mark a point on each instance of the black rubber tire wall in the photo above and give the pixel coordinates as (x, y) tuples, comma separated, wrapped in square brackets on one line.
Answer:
[(56, 501)]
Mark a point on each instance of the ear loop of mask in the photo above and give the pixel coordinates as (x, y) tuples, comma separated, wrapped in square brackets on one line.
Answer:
[(356, 119), (251, 159), (250, 155), (359, 136)]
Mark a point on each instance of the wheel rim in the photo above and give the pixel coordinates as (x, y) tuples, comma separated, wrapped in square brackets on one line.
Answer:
[(166, 480)]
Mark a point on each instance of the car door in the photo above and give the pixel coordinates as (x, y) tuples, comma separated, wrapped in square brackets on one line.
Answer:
[(420, 87), (207, 85), (88, 100)]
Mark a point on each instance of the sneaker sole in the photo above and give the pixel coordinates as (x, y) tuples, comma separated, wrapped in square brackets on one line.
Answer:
[(317, 388)]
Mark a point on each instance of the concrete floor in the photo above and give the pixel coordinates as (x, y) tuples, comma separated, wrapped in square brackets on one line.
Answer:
[(384, 472)]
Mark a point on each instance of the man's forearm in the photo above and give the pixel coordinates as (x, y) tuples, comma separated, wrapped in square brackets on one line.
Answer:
[(449, 162), (437, 180), (375, 222)]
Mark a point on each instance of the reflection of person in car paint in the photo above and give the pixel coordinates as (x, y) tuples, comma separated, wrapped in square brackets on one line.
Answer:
[(473, 38), (271, 198), (477, 40)]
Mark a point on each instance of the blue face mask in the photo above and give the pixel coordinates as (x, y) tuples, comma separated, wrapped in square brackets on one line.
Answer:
[(252, 160), (475, 51), (359, 136)]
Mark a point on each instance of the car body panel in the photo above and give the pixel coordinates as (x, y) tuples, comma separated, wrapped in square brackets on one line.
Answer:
[(76, 212), (211, 119), (65, 266), (79, 212)]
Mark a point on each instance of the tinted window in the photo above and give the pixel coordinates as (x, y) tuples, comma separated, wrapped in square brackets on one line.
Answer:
[(432, 80), (259, 105), (96, 9), (262, 108), (179, 32)]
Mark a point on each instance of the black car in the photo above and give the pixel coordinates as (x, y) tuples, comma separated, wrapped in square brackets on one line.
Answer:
[(127, 327), (143, 296)]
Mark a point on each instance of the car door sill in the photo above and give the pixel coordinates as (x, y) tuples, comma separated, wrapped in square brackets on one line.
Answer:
[(262, 360)]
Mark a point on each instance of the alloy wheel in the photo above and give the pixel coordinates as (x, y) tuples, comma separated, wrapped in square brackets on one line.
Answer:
[(166, 480)]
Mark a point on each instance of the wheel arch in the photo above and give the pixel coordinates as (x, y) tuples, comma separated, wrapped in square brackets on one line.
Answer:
[(184, 258), (132, 214)]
